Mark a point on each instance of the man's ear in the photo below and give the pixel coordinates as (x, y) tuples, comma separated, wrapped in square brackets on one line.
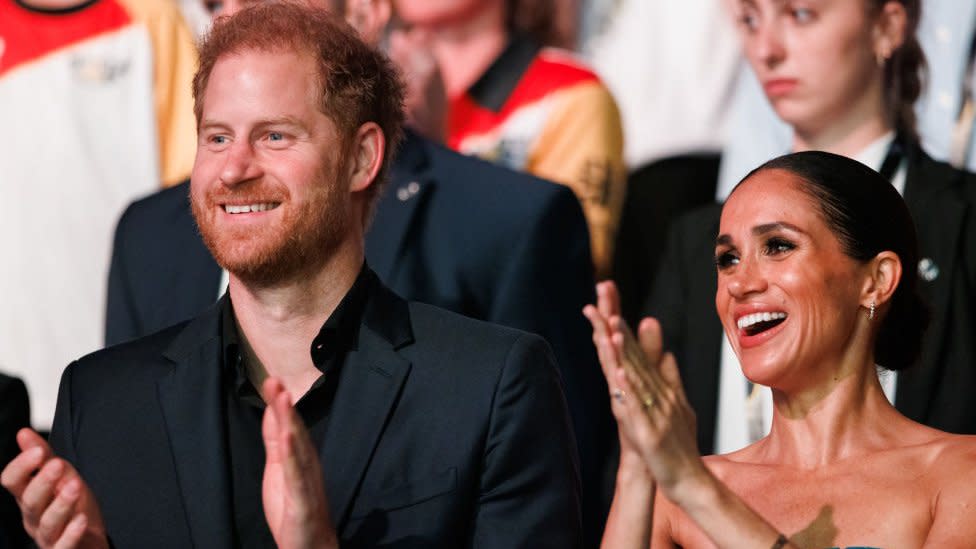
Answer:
[(884, 273), (369, 17), (367, 148)]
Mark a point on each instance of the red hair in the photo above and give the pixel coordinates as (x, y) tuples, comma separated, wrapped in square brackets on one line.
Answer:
[(358, 84)]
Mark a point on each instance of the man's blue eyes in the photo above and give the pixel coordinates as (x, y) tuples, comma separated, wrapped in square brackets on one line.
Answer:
[(272, 136)]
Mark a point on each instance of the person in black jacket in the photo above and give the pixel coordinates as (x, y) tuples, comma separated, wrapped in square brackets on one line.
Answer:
[(449, 230), (310, 405)]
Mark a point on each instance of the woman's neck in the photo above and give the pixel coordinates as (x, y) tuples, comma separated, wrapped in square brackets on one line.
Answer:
[(848, 138), (465, 49), (844, 418), (864, 121)]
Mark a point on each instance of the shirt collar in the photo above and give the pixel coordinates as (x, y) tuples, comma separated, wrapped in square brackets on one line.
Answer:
[(337, 335), (497, 83), (874, 154)]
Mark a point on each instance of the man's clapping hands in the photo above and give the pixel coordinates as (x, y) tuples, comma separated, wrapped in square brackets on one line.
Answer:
[(60, 510)]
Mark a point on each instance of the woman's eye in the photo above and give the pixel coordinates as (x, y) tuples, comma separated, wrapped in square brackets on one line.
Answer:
[(749, 21), (724, 260), (776, 246), (802, 15)]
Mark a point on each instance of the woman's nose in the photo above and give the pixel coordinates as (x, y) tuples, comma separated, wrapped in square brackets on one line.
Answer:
[(746, 279), (766, 44)]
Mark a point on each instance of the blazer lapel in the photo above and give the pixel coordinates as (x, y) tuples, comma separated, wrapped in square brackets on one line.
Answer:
[(938, 216), (398, 206), (190, 397), (370, 383)]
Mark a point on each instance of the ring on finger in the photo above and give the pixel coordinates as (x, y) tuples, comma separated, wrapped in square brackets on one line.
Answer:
[(647, 401), (619, 394)]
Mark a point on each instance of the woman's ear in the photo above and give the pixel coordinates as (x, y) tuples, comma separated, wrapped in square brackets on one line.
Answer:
[(889, 29), (884, 273)]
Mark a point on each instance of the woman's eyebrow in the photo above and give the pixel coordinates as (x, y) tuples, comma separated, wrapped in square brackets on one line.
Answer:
[(765, 228), (759, 230)]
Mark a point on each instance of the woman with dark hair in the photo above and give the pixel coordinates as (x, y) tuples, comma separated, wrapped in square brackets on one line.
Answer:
[(844, 76), (816, 285)]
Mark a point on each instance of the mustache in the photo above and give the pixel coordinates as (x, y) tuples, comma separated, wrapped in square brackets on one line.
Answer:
[(249, 193)]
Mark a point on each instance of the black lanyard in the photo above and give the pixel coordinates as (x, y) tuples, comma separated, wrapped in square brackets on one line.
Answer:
[(896, 151)]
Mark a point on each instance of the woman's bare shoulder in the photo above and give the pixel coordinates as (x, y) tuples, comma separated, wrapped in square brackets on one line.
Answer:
[(951, 460), (951, 454)]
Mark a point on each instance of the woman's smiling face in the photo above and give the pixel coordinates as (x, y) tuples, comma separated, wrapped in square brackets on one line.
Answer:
[(788, 296)]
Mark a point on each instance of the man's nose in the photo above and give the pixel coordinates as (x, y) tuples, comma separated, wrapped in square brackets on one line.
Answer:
[(240, 164)]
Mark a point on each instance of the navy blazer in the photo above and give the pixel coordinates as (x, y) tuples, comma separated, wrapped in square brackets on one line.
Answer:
[(937, 391), (449, 230), (444, 432)]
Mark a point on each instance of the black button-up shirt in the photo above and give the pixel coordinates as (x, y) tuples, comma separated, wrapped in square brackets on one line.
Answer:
[(244, 407)]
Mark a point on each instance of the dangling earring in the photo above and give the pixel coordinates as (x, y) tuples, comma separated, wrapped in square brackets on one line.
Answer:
[(881, 57), (871, 311)]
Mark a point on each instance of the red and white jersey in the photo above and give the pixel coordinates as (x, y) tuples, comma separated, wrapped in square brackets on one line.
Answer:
[(96, 110), (542, 111)]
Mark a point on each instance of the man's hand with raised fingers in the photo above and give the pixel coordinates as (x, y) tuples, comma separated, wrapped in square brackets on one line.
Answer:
[(292, 491), (58, 508)]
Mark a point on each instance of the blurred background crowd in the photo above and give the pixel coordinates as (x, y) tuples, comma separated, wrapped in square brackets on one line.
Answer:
[(648, 111)]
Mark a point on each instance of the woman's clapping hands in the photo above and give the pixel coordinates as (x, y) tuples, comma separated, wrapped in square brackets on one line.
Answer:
[(653, 416)]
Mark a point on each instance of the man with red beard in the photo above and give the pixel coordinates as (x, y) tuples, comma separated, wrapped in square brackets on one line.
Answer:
[(379, 422)]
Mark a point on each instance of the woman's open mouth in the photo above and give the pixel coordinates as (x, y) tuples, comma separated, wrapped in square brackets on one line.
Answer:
[(757, 323)]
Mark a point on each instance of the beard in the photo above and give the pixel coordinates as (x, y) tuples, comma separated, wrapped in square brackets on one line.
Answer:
[(300, 242)]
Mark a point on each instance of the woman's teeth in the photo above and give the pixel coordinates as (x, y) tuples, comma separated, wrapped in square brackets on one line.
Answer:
[(749, 321)]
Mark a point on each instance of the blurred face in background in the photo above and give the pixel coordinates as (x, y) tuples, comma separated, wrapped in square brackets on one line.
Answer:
[(219, 8), (428, 13), (817, 60), (369, 17)]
